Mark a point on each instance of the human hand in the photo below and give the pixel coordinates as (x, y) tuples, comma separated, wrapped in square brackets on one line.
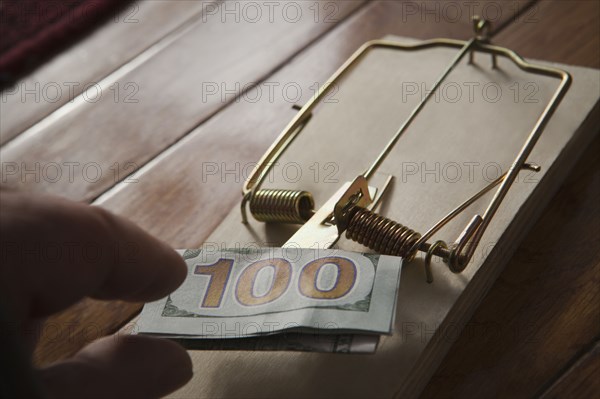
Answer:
[(33, 287)]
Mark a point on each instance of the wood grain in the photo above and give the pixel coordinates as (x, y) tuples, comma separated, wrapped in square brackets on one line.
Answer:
[(202, 205), (109, 133), (558, 31), (543, 309), (580, 380), (59, 80)]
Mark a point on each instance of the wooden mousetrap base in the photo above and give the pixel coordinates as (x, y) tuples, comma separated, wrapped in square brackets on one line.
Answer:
[(474, 134)]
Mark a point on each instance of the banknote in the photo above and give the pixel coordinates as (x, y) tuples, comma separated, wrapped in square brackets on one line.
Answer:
[(287, 341), (279, 298)]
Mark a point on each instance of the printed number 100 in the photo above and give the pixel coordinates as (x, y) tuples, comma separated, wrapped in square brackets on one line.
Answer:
[(220, 272)]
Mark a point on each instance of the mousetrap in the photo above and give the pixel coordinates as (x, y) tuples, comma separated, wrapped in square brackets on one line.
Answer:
[(350, 210), (442, 152)]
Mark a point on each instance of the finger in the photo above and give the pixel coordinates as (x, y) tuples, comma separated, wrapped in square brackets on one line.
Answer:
[(120, 367), (54, 252)]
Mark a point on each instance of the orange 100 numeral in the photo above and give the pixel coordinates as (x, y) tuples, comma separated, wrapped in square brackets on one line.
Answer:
[(219, 275), (220, 271), (244, 290), (346, 277)]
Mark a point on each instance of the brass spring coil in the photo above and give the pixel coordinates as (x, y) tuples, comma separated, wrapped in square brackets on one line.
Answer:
[(381, 234), (282, 206)]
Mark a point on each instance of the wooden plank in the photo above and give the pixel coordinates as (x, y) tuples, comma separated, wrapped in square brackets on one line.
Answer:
[(544, 308), (193, 207), (59, 80), (106, 133), (580, 380), (558, 31)]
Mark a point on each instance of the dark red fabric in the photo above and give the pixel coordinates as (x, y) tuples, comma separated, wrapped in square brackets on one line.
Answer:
[(31, 31)]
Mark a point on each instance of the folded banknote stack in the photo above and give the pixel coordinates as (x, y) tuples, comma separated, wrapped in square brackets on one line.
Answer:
[(279, 299)]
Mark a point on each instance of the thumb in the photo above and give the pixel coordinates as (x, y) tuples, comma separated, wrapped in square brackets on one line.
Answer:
[(126, 366)]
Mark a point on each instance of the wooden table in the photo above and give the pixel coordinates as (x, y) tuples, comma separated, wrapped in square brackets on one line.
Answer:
[(537, 331)]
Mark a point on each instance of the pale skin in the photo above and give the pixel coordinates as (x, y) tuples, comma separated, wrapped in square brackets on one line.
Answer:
[(34, 286)]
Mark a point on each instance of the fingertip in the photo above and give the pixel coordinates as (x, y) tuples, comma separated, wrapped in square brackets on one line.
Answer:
[(104, 256), (148, 266), (177, 269), (121, 366), (171, 273), (172, 364), (183, 368)]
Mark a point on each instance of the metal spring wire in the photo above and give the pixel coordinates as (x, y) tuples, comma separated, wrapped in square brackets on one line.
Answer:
[(381, 234), (282, 206)]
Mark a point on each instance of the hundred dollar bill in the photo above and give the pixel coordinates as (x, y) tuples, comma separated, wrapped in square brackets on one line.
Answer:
[(254, 293)]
